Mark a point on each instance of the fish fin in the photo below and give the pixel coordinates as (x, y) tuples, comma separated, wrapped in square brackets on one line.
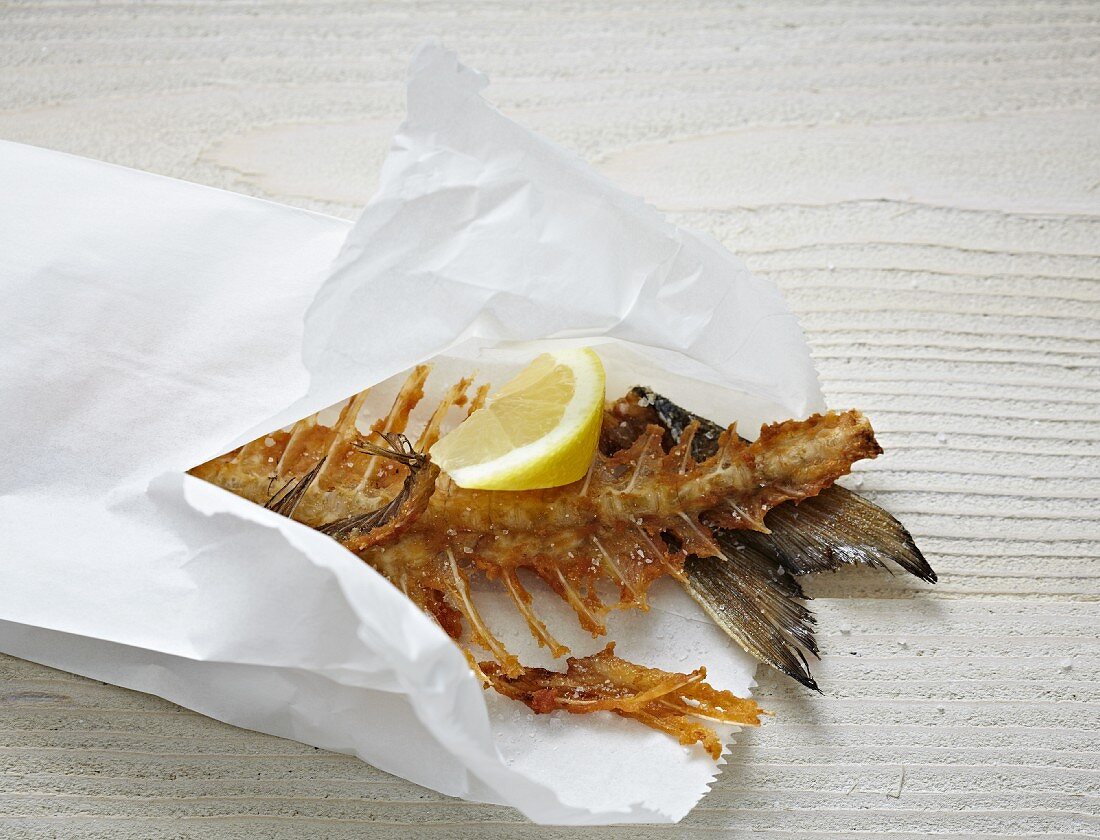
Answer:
[(286, 500), (362, 530), (837, 528), (757, 604)]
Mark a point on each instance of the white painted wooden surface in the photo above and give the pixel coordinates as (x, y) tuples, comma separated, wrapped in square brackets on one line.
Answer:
[(923, 180)]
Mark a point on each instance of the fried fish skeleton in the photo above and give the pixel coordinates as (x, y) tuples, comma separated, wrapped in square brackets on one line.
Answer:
[(656, 698), (752, 590), (647, 507)]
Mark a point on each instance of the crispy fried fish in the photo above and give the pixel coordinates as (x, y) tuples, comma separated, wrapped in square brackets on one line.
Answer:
[(662, 503), (752, 590)]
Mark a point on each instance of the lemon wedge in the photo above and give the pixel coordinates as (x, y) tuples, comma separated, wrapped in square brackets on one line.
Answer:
[(539, 430)]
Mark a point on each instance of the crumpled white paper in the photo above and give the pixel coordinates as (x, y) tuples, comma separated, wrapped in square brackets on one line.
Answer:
[(149, 324)]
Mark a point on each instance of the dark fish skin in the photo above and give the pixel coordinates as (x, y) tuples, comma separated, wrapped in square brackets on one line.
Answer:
[(752, 591)]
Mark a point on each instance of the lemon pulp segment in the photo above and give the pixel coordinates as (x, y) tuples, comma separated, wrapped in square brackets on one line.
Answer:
[(539, 430)]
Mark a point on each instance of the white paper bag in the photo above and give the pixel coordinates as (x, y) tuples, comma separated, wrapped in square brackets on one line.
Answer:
[(149, 324)]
